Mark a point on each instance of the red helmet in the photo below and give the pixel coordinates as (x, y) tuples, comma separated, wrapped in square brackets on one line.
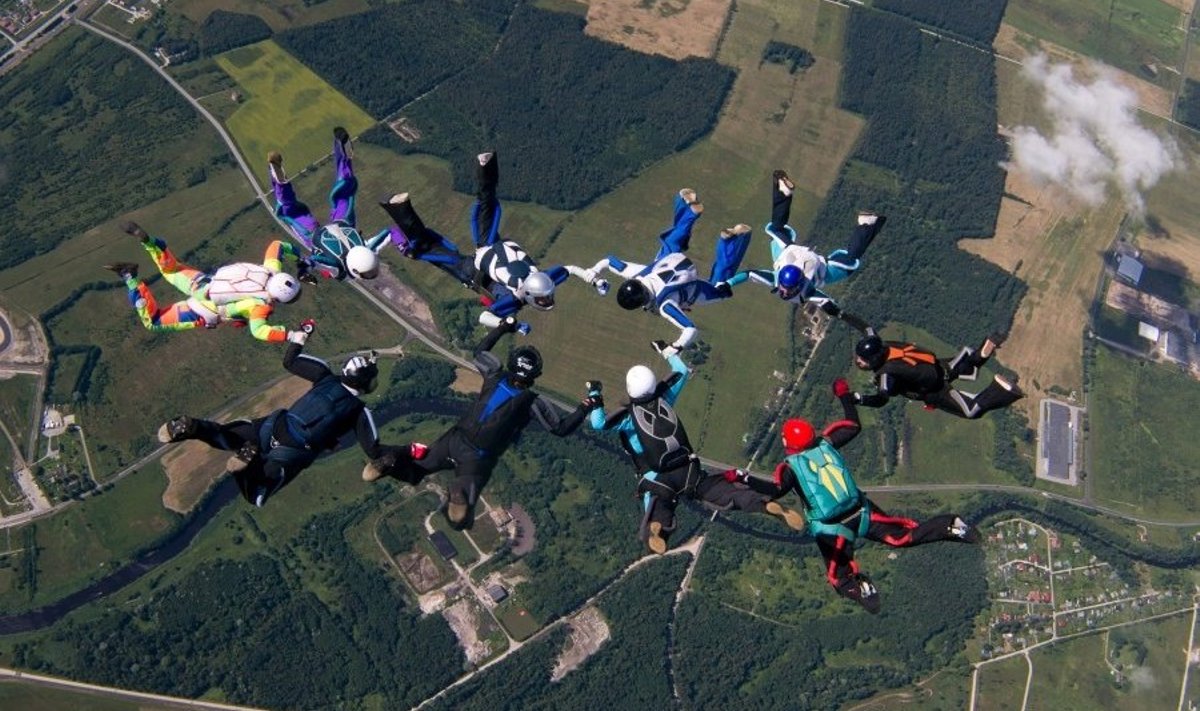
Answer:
[(798, 434)]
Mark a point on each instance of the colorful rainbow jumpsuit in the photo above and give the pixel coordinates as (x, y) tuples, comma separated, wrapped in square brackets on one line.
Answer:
[(202, 308)]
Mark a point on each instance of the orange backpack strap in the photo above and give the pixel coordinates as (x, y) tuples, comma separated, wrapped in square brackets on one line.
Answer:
[(911, 355)]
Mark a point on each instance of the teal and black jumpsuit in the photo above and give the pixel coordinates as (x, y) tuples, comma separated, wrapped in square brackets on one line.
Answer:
[(286, 442), (656, 441)]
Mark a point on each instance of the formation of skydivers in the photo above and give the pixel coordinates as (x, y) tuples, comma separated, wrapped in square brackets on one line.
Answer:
[(268, 452)]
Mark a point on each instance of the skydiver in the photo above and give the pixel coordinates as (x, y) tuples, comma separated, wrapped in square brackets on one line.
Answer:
[(505, 405), (905, 369), (798, 273), (337, 249), (504, 270), (836, 511), (670, 285), (241, 293), (416, 241), (656, 441), (269, 452)]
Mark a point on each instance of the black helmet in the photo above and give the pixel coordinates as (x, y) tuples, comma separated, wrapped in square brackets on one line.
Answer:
[(872, 350), (360, 373), (525, 363), (633, 294)]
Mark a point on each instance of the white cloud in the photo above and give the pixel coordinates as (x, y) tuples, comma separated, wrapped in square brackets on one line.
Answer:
[(1096, 141)]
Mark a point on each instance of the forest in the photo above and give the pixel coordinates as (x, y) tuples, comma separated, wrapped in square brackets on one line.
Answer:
[(223, 31), (252, 629), (78, 133), (978, 20), (588, 115), (386, 57)]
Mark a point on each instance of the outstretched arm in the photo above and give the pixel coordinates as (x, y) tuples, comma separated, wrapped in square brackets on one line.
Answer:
[(840, 432), (368, 435), (678, 378), (255, 313), (885, 388), (553, 419), (671, 311), (304, 366), (276, 251), (484, 360), (618, 266)]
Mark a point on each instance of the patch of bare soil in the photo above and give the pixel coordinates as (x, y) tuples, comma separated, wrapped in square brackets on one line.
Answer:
[(462, 619), (420, 571), (672, 28), (589, 632)]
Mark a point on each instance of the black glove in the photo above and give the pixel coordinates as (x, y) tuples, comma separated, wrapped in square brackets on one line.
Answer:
[(594, 387), (591, 402), (510, 324), (724, 289)]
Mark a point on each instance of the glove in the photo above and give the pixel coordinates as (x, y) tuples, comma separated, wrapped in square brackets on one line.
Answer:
[(736, 476), (308, 326), (594, 387), (665, 350), (840, 387), (592, 401), (724, 289), (601, 286), (510, 324), (523, 328), (304, 271), (297, 337)]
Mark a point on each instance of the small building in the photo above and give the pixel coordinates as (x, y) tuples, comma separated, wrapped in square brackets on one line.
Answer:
[(1129, 269), (1148, 331), (497, 593), (443, 545)]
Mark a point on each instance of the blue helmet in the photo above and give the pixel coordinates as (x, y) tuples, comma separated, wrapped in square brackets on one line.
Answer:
[(791, 281)]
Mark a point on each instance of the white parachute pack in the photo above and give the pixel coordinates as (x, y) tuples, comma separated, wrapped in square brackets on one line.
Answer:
[(234, 282), (810, 263)]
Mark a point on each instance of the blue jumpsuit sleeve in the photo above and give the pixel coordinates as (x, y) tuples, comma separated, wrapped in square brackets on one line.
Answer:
[(506, 305), (678, 366), (558, 274)]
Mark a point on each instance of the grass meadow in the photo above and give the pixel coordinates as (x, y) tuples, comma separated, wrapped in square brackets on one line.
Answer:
[(278, 14), (1002, 685), (1074, 674), (286, 107), (1124, 33), (32, 697), (1142, 437)]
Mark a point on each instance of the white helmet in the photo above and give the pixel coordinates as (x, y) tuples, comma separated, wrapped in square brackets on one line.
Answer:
[(539, 291), (283, 288), (640, 382), (362, 262)]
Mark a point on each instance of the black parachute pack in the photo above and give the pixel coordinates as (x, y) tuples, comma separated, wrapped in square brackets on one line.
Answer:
[(315, 420)]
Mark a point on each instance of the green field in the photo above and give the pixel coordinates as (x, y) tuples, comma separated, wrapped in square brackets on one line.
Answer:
[(279, 14), (1002, 685), (286, 107), (17, 396), (1073, 674), (1124, 33), (34, 697), (1142, 436), (513, 614)]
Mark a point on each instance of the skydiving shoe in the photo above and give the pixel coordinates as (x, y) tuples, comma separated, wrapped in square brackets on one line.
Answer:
[(960, 530), (125, 270), (180, 428), (656, 541), (1009, 385), (485, 158), (990, 345), (736, 230), (867, 217), (793, 518), (689, 196), (343, 139), (241, 459), (783, 183), (859, 588), (275, 165), (457, 514), (133, 228)]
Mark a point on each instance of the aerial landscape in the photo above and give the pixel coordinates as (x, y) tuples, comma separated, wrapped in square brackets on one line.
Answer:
[(1023, 172)]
